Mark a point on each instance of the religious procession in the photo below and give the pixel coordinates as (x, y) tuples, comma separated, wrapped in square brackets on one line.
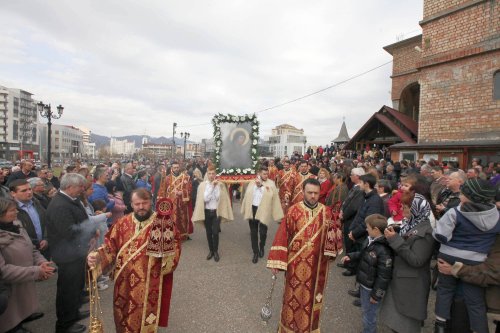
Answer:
[(398, 229), (111, 222)]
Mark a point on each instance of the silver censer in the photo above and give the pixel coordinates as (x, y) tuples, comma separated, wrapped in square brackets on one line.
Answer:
[(266, 313)]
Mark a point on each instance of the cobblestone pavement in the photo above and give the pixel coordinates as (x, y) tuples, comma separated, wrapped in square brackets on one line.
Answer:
[(226, 296)]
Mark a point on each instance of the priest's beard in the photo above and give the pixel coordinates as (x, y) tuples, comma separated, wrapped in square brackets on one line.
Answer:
[(176, 174), (144, 217)]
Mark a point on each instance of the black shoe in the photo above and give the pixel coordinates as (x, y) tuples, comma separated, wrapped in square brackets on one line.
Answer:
[(354, 293), (34, 316), (357, 303), (341, 265), (75, 328), (85, 299), (261, 253), (210, 255), (255, 258), (348, 273), (440, 327), (216, 256), (82, 314)]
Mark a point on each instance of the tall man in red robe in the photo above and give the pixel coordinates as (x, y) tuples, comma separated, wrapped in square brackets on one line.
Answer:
[(177, 187), (144, 248), (284, 182), (302, 247), (298, 182), (273, 170)]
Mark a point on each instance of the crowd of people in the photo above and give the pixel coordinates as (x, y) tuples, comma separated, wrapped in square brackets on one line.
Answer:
[(403, 227)]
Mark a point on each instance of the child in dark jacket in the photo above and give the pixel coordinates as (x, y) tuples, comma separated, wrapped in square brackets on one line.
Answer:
[(374, 273)]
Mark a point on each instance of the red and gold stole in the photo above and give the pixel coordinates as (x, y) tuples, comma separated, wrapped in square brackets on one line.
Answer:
[(139, 277), (273, 173), (178, 183), (183, 210), (301, 247)]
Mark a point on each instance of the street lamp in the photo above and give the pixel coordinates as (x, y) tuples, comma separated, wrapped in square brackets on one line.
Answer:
[(185, 135), (305, 142), (46, 112), (173, 139)]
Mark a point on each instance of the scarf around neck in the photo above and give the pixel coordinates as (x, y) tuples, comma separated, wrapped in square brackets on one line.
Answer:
[(10, 227)]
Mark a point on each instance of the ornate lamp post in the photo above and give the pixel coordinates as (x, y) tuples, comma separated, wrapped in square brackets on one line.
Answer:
[(173, 140), (185, 135), (46, 112)]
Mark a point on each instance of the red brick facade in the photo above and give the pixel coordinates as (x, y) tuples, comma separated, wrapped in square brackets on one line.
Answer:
[(457, 102), (457, 56), (460, 55), (404, 68)]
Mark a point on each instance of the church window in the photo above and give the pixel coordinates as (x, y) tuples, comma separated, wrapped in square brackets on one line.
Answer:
[(496, 85)]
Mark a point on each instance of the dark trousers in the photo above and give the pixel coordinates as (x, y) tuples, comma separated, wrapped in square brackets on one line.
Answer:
[(348, 243), (473, 296), (70, 283), (212, 227), (257, 228)]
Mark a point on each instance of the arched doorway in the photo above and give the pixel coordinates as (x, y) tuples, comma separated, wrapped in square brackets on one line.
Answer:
[(409, 102)]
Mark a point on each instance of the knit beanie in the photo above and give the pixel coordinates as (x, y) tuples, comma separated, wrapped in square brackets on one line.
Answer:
[(478, 190)]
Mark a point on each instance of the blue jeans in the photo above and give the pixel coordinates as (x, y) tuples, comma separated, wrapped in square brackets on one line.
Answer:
[(370, 311)]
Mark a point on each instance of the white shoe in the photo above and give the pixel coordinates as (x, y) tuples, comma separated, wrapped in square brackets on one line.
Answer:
[(103, 278), (102, 286)]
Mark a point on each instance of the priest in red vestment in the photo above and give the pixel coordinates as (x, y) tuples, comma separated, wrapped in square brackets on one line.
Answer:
[(302, 247), (142, 249), (298, 182), (284, 182), (273, 170), (177, 187)]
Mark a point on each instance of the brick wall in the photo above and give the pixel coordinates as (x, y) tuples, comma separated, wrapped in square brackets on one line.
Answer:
[(460, 29), (456, 100), (432, 7), (401, 82), (405, 58)]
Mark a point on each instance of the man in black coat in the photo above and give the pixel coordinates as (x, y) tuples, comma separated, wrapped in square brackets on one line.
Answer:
[(31, 214), (69, 234), (128, 183), (24, 173), (373, 204), (350, 207)]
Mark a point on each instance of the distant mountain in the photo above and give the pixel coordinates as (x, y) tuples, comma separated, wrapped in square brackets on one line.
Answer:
[(101, 140)]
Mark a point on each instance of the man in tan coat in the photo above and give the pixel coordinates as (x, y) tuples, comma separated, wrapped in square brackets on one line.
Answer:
[(261, 205), (212, 205)]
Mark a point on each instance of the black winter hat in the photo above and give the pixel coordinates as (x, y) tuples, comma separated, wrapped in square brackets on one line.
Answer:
[(478, 190)]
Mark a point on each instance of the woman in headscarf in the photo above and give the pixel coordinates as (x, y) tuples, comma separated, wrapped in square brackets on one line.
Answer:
[(20, 265), (404, 307)]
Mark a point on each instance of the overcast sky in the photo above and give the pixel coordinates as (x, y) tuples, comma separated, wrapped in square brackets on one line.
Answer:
[(134, 67)]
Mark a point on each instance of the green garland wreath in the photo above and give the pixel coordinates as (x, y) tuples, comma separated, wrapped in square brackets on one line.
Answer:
[(254, 138)]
